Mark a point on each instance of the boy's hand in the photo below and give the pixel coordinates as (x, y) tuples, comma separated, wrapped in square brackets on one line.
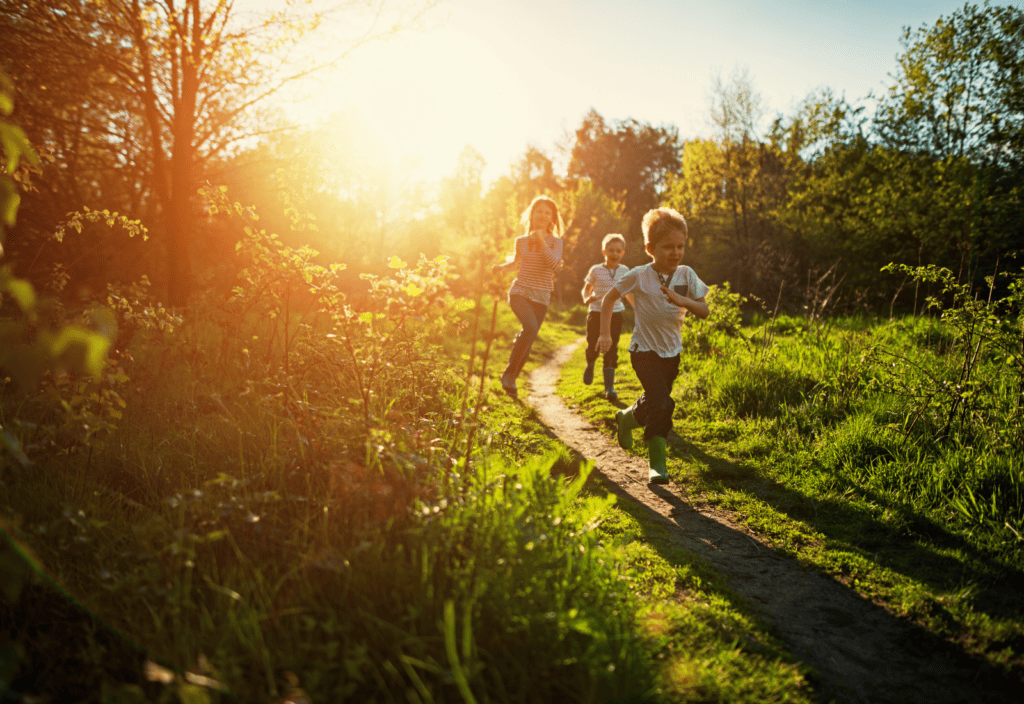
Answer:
[(673, 297), (591, 299), (604, 343)]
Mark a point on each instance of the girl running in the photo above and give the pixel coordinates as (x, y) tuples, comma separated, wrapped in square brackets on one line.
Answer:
[(538, 255)]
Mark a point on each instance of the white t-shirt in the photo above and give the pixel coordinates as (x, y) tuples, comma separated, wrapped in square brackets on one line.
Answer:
[(656, 321), (602, 279)]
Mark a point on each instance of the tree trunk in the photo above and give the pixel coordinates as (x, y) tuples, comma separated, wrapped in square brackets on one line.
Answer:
[(180, 218), (180, 221)]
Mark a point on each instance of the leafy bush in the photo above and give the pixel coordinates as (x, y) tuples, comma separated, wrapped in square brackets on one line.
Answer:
[(970, 386), (725, 318)]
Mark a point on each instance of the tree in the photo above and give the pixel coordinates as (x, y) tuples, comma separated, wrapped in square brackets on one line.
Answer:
[(936, 177), (88, 130), (365, 207), (29, 345), (730, 187), (956, 104), (534, 174), (197, 75), (959, 88), (590, 214), (628, 160)]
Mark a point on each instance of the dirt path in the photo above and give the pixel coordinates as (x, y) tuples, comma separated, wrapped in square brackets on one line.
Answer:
[(861, 652)]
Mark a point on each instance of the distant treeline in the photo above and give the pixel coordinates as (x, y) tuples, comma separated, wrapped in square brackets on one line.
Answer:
[(133, 112)]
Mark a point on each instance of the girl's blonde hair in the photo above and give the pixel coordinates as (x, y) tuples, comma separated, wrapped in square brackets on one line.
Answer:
[(557, 225)]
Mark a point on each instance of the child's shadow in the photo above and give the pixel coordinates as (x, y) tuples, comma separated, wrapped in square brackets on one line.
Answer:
[(616, 402), (918, 555)]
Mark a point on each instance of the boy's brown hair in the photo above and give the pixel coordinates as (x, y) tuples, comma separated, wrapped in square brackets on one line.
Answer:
[(612, 238), (659, 222)]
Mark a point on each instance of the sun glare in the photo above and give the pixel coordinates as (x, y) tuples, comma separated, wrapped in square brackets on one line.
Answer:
[(427, 96)]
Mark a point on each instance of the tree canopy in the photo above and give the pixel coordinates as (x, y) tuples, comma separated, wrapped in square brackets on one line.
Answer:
[(628, 160)]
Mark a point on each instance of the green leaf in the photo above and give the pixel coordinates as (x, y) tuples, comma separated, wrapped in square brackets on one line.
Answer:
[(11, 444), (193, 694), (16, 145), (9, 200), (23, 293), (81, 348), (458, 674)]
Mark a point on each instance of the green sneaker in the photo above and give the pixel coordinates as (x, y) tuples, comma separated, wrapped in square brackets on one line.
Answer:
[(626, 425)]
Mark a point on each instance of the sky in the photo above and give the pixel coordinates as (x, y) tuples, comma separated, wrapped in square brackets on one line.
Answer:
[(502, 75)]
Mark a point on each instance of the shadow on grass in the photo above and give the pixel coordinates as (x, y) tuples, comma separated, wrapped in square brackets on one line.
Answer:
[(996, 586), (821, 628)]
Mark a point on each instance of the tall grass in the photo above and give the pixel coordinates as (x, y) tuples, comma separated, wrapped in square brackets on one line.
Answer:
[(886, 452), (274, 498), (870, 403)]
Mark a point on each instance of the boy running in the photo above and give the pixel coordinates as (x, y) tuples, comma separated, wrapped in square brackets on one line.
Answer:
[(599, 282), (664, 291)]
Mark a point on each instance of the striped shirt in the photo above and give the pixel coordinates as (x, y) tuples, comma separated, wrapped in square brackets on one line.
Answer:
[(536, 277), (657, 321), (601, 278)]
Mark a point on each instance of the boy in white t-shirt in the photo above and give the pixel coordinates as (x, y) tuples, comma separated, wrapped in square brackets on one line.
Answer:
[(599, 282), (663, 292)]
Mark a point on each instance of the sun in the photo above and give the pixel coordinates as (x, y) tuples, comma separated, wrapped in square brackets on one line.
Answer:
[(426, 96)]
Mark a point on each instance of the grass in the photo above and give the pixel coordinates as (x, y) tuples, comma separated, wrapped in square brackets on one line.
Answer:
[(703, 638), (786, 429), (247, 533), (709, 646)]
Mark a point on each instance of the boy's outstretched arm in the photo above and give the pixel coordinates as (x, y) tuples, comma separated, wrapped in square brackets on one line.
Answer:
[(604, 342)]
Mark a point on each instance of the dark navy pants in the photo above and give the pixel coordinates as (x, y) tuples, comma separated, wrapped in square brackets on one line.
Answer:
[(653, 410)]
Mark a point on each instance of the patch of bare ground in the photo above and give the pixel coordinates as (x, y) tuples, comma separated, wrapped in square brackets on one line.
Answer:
[(860, 651)]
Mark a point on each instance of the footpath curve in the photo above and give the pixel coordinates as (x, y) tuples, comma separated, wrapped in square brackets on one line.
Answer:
[(860, 651)]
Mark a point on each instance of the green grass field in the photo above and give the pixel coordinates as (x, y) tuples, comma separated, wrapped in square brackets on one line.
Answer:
[(250, 526), (261, 505), (830, 443)]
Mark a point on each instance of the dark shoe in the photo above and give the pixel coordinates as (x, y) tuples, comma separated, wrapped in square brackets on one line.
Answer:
[(609, 379), (508, 385), (588, 374), (611, 396)]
